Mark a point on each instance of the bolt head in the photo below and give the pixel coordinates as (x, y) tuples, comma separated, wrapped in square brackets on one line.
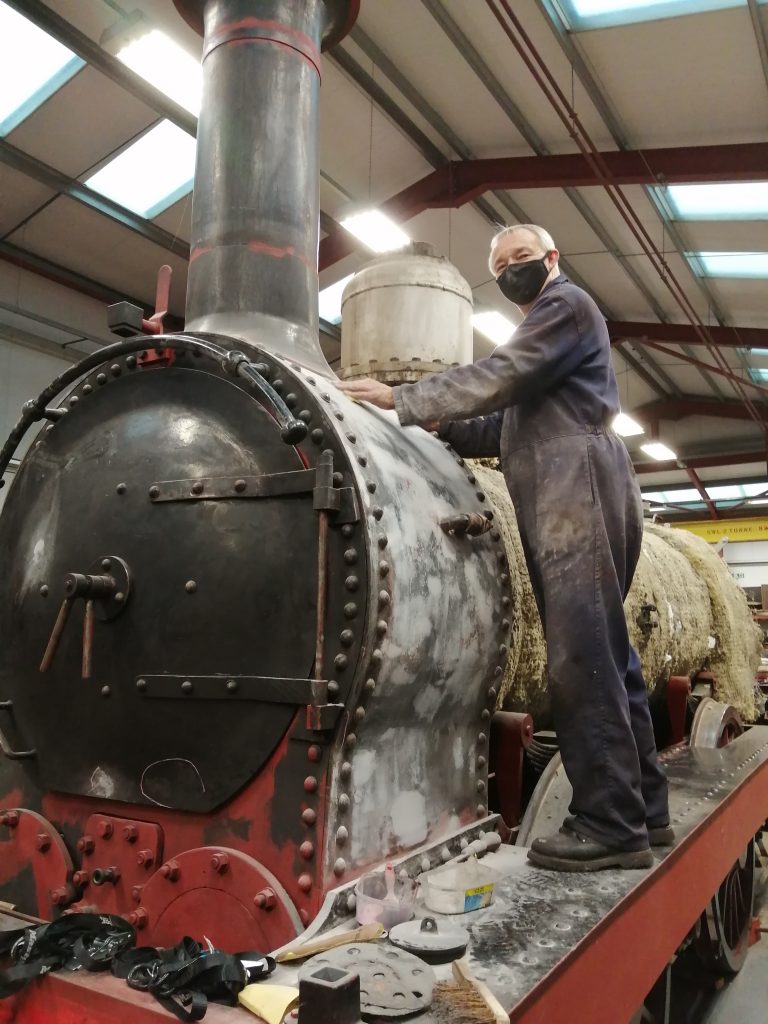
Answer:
[(136, 892), (81, 878), (9, 818), (60, 897), (86, 844), (145, 858), (266, 899), (220, 863), (42, 842), (171, 870), (105, 829), (138, 918)]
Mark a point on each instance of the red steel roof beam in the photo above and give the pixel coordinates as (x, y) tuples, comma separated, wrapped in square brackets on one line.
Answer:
[(693, 476), (684, 334)]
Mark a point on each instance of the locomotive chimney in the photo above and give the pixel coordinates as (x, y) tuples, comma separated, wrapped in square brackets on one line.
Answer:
[(255, 208)]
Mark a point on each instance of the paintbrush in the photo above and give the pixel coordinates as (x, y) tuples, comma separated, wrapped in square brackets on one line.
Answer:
[(368, 933)]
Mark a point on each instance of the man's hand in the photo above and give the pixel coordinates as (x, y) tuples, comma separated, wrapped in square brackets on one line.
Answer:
[(368, 390)]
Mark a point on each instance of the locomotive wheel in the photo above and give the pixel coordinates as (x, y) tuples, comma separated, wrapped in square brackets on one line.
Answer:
[(715, 725), (721, 940)]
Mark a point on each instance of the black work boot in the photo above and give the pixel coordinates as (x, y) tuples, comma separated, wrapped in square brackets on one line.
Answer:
[(659, 835), (569, 851)]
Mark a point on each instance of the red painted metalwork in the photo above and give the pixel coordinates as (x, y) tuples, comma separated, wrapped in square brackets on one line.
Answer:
[(678, 690), (154, 324), (684, 334), (591, 984), (693, 476), (30, 843), (689, 405), (461, 181), (133, 847), (511, 733)]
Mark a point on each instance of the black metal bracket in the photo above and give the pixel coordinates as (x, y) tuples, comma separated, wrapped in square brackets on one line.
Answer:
[(5, 747)]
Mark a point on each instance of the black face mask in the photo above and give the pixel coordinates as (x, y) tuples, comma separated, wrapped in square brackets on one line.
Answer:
[(522, 282)]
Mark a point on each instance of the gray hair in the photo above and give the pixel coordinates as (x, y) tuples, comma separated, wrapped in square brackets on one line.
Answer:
[(544, 237)]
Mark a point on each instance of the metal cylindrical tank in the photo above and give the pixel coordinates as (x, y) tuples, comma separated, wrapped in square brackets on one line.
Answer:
[(405, 315)]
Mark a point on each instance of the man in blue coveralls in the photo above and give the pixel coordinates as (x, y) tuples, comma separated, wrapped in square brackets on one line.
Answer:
[(544, 403)]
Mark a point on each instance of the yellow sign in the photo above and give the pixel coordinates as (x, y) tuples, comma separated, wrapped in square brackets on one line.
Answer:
[(714, 530)]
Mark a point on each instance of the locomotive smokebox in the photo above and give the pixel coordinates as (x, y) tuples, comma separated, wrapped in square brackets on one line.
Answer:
[(253, 259)]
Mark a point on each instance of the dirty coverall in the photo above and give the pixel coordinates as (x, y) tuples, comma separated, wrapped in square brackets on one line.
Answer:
[(543, 402)]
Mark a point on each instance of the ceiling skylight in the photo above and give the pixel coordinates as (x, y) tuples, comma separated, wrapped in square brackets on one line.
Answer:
[(658, 451), (733, 264), (376, 230), (626, 426), (167, 66), (330, 300), (494, 326), (33, 66), (137, 179), (725, 493), (744, 200), (603, 13), (758, 376)]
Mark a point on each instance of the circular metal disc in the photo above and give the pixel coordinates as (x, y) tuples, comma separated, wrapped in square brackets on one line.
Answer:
[(432, 939), (393, 983)]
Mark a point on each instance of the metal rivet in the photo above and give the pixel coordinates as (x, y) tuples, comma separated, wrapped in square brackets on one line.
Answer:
[(115, 370), (310, 784), (339, 867), (351, 438), (351, 582), (377, 513), (130, 362), (370, 685), (339, 415), (347, 530), (371, 486), (278, 385), (480, 786), (106, 563), (362, 461), (501, 558), (376, 658), (481, 738), (325, 396), (105, 691), (186, 686), (338, 479), (479, 495), (343, 802), (101, 378), (121, 488), (240, 486), (305, 415), (505, 623), (197, 487), (263, 369), (314, 753), (481, 762), (350, 556), (74, 400), (342, 835), (346, 770), (291, 400), (382, 541), (503, 650), (471, 477), (305, 882), (341, 661), (190, 586), (359, 714), (346, 637), (333, 688), (384, 599), (232, 685), (351, 741), (350, 610), (481, 810), (87, 389), (504, 578), (383, 568), (505, 601), (307, 850), (154, 491), (119, 597), (317, 435), (44, 590), (485, 714), (381, 628), (141, 684), (310, 380), (309, 816), (496, 535)]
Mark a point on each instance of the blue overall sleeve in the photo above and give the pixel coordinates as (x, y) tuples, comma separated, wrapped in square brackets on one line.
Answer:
[(544, 350), (478, 438)]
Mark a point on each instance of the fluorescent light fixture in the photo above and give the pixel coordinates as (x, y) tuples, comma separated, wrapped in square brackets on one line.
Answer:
[(140, 181), (32, 68), (376, 230), (758, 501), (494, 326), (603, 13), (745, 200), (167, 66), (658, 451), (330, 300), (733, 264), (626, 426), (725, 493), (656, 496)]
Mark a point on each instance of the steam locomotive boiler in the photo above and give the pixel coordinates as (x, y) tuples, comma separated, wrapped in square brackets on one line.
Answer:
[(250, 647)]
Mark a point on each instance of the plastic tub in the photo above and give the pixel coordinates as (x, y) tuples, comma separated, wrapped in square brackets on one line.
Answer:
[(373, 904), (458, 888)]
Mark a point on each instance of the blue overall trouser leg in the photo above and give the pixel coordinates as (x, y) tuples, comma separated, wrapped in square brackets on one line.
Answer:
[(580, 520)]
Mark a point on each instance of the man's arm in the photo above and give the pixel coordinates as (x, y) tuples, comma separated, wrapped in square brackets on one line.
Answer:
[(478, 438), (545, 348)]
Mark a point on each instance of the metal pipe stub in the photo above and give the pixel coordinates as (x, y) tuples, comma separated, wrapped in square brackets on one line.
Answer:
[(340, 16)]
